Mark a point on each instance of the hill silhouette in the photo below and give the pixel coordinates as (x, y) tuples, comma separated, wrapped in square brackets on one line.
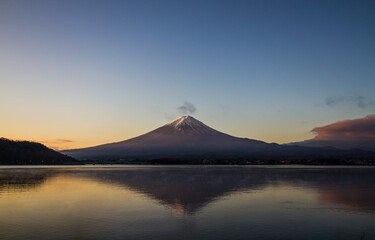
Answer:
[(29, 153)]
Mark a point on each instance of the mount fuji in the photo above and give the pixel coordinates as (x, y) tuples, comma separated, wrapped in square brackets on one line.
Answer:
[(188, 138)]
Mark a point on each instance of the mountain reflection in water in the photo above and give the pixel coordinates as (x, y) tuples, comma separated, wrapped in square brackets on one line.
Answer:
[(266, 192)]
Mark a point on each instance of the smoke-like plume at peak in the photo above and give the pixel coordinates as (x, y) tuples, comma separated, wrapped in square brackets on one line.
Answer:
[(187, 108)]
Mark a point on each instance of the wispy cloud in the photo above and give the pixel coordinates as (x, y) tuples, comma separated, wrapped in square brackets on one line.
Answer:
[(187, 108), (359, 101), (56, 144), (58, 141), (64, 140)]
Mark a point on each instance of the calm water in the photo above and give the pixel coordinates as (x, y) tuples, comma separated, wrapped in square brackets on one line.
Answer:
[(188, 202)]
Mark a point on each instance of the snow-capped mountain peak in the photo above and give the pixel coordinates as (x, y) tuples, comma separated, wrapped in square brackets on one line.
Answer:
[(191, 124), (183, 121)]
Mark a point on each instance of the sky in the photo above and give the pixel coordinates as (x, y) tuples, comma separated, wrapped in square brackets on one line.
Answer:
[(82, 73)]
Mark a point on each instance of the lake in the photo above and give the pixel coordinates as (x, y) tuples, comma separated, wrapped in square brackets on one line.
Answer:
[(187, 202)]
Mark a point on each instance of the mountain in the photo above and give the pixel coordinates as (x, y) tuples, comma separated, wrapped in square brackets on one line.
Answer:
[(25, 153), (183, 137), (188, 138)]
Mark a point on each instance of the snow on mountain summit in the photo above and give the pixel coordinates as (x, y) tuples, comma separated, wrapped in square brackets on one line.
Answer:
[(183, 121), (189, 123)]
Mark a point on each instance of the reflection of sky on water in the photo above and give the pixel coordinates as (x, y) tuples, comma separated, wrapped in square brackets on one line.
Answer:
[(187, 189), (157, 198)]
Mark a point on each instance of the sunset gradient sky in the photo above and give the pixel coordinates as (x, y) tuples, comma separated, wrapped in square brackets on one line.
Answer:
[(82, 73)]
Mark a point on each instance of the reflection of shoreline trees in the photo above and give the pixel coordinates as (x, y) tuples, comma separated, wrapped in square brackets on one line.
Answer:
[(186, 190), (23, 179)]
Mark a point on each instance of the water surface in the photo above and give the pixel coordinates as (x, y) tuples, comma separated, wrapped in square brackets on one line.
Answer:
[(187, 202)]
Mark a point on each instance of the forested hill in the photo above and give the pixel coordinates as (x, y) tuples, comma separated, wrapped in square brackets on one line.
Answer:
[(25, 153)]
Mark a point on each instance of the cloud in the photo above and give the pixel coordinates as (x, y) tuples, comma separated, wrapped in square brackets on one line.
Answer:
[(353, 130), (58, 141), (359, 101), (55, 144), (346, 134), (187, 108), (64, 140)]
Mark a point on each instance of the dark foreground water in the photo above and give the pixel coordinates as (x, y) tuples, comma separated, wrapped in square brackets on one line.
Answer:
[(187, 202)]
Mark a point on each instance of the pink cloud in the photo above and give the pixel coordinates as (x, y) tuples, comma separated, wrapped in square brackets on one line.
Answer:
[(362, 129), (346, 134)]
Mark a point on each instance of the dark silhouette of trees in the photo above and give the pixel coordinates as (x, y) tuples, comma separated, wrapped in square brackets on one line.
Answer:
[(29, 153)]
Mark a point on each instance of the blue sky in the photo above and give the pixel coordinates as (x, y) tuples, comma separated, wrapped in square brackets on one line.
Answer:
[(101, 71)]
